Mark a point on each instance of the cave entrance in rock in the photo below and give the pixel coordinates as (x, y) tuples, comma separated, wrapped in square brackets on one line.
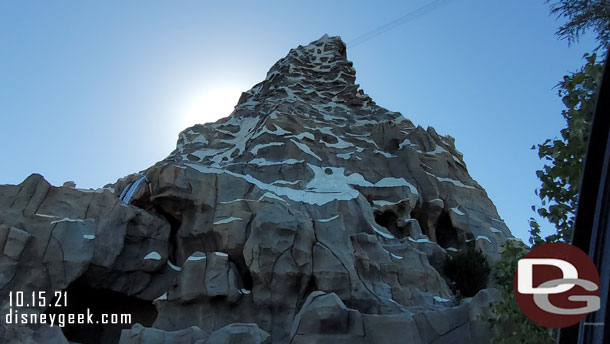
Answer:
[(446, 235), (81, 297), (387, 219)]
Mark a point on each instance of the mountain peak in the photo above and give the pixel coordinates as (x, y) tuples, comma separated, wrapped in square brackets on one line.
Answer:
[(309, 205), (321, 67)]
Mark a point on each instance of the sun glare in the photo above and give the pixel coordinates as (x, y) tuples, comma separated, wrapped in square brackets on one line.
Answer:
[(212, 104)]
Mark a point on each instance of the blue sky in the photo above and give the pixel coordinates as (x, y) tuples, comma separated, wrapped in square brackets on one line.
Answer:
[(91, 92)]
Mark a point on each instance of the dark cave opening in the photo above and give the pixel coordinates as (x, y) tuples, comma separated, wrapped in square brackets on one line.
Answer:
[(446, 235), (386, 218), (101, 304), (390, 220), (393, 145)]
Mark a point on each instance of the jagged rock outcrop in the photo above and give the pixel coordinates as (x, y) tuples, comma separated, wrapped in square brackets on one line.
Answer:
[(310, 214)]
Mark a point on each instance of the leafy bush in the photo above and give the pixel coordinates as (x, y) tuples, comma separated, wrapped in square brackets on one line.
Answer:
[(469, 270), (509, 324)]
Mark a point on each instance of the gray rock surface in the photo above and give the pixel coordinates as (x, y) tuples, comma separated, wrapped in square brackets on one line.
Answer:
[(310, 214), (139, 334), (239, 334)]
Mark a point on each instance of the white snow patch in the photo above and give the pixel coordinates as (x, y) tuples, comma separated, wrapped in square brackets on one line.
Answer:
[(272, 196), (495, 230), (199, 139), (286, 182), (385, 154), (358, 135), (245, 291), (391, 182), (227, 220), (384, 203), (457, 160), (305, 149), (323, 188), (89, 236), (303, 135), (395, 256), (238, 200), (66, 219), (154, 255), (453, 249), (437, 150), (246, 127), (197, 256), (98, 190), (419, 240), (392, 300), (265, 162), (364, 122), (202, 153), (345, 156), (256, 148), (441, 299), (45, 215), (162, 297), (457, 211), (483, 237), (329, 219), (173, 266), (453, 181), (221, 254), (406, 142), (367, 140), (340, 144), (383, 233)]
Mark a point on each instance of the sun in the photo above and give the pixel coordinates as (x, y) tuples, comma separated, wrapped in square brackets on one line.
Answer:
[(211, 104)]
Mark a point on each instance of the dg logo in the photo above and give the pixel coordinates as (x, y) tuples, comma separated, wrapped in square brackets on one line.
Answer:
[(556, 285)]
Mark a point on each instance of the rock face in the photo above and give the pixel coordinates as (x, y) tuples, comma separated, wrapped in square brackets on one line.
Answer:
[(310, 214)]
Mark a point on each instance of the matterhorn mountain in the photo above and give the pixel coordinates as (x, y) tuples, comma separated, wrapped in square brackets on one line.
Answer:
[(309, 215)]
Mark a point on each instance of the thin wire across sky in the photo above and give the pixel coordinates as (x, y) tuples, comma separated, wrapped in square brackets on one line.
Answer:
[(419, 12)]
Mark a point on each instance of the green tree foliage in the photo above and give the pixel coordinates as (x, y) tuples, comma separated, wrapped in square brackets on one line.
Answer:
[(583, 15), (469, 270), (509, 324), (564, 156)]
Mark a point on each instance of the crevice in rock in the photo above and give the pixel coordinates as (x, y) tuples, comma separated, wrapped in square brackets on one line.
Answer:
[(174, 224), (82, 298), (309, 288), (246, 276), (469, 240)]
